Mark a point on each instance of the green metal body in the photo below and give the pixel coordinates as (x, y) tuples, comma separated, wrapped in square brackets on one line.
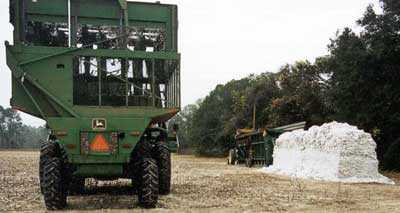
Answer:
[(258, 146), (43, 81)]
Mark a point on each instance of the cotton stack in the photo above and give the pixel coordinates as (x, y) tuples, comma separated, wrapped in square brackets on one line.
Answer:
[(331, 152)]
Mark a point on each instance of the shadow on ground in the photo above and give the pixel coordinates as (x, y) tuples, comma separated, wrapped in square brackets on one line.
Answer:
[(104, 197)]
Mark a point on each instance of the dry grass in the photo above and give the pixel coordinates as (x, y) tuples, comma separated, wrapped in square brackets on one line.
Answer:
[(203, 184)]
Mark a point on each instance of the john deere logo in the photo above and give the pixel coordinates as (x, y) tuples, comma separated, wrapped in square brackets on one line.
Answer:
[(99, 124)]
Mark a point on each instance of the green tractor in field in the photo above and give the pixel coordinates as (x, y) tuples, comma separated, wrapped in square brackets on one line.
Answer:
[(105, 76), (257, 146)]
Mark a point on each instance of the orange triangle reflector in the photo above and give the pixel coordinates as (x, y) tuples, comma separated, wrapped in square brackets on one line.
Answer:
[(99, 144)]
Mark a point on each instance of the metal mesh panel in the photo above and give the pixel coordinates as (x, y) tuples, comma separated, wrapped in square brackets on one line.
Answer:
[(122, 82)]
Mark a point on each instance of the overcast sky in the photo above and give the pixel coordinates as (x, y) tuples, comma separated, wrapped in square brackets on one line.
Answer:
[(221, 40)]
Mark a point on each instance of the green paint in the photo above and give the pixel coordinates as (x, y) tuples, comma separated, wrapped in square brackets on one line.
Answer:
[(260, 145), (42, 77), (99, 170)]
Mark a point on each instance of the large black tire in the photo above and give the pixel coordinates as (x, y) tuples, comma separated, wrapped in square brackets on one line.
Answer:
[(48, 149), (42, 162), (164, 168), (133, 174), (54, 186), (148, 183), (76, 186), (142, 150), (135, 184), (41, 165)]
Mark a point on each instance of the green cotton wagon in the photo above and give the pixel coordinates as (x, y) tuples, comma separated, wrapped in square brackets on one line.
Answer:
[(256, 146), (105, 76)]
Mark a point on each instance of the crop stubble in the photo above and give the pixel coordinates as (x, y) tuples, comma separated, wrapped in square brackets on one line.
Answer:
[(200, 184)]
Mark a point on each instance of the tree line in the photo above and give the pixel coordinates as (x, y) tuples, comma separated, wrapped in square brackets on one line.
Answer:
[(358, 82), (16, 135)]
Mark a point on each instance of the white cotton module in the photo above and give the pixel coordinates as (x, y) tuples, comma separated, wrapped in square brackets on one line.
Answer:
[(331, 152)]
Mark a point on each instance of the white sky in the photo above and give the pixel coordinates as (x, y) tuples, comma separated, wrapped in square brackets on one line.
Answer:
[(221, 40)]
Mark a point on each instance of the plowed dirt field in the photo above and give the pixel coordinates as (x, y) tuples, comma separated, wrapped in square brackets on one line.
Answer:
[(200, 185)]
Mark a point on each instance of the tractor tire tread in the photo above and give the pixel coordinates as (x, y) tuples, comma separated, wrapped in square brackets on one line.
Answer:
[(164, 168), (148, 183), (53, 184)]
